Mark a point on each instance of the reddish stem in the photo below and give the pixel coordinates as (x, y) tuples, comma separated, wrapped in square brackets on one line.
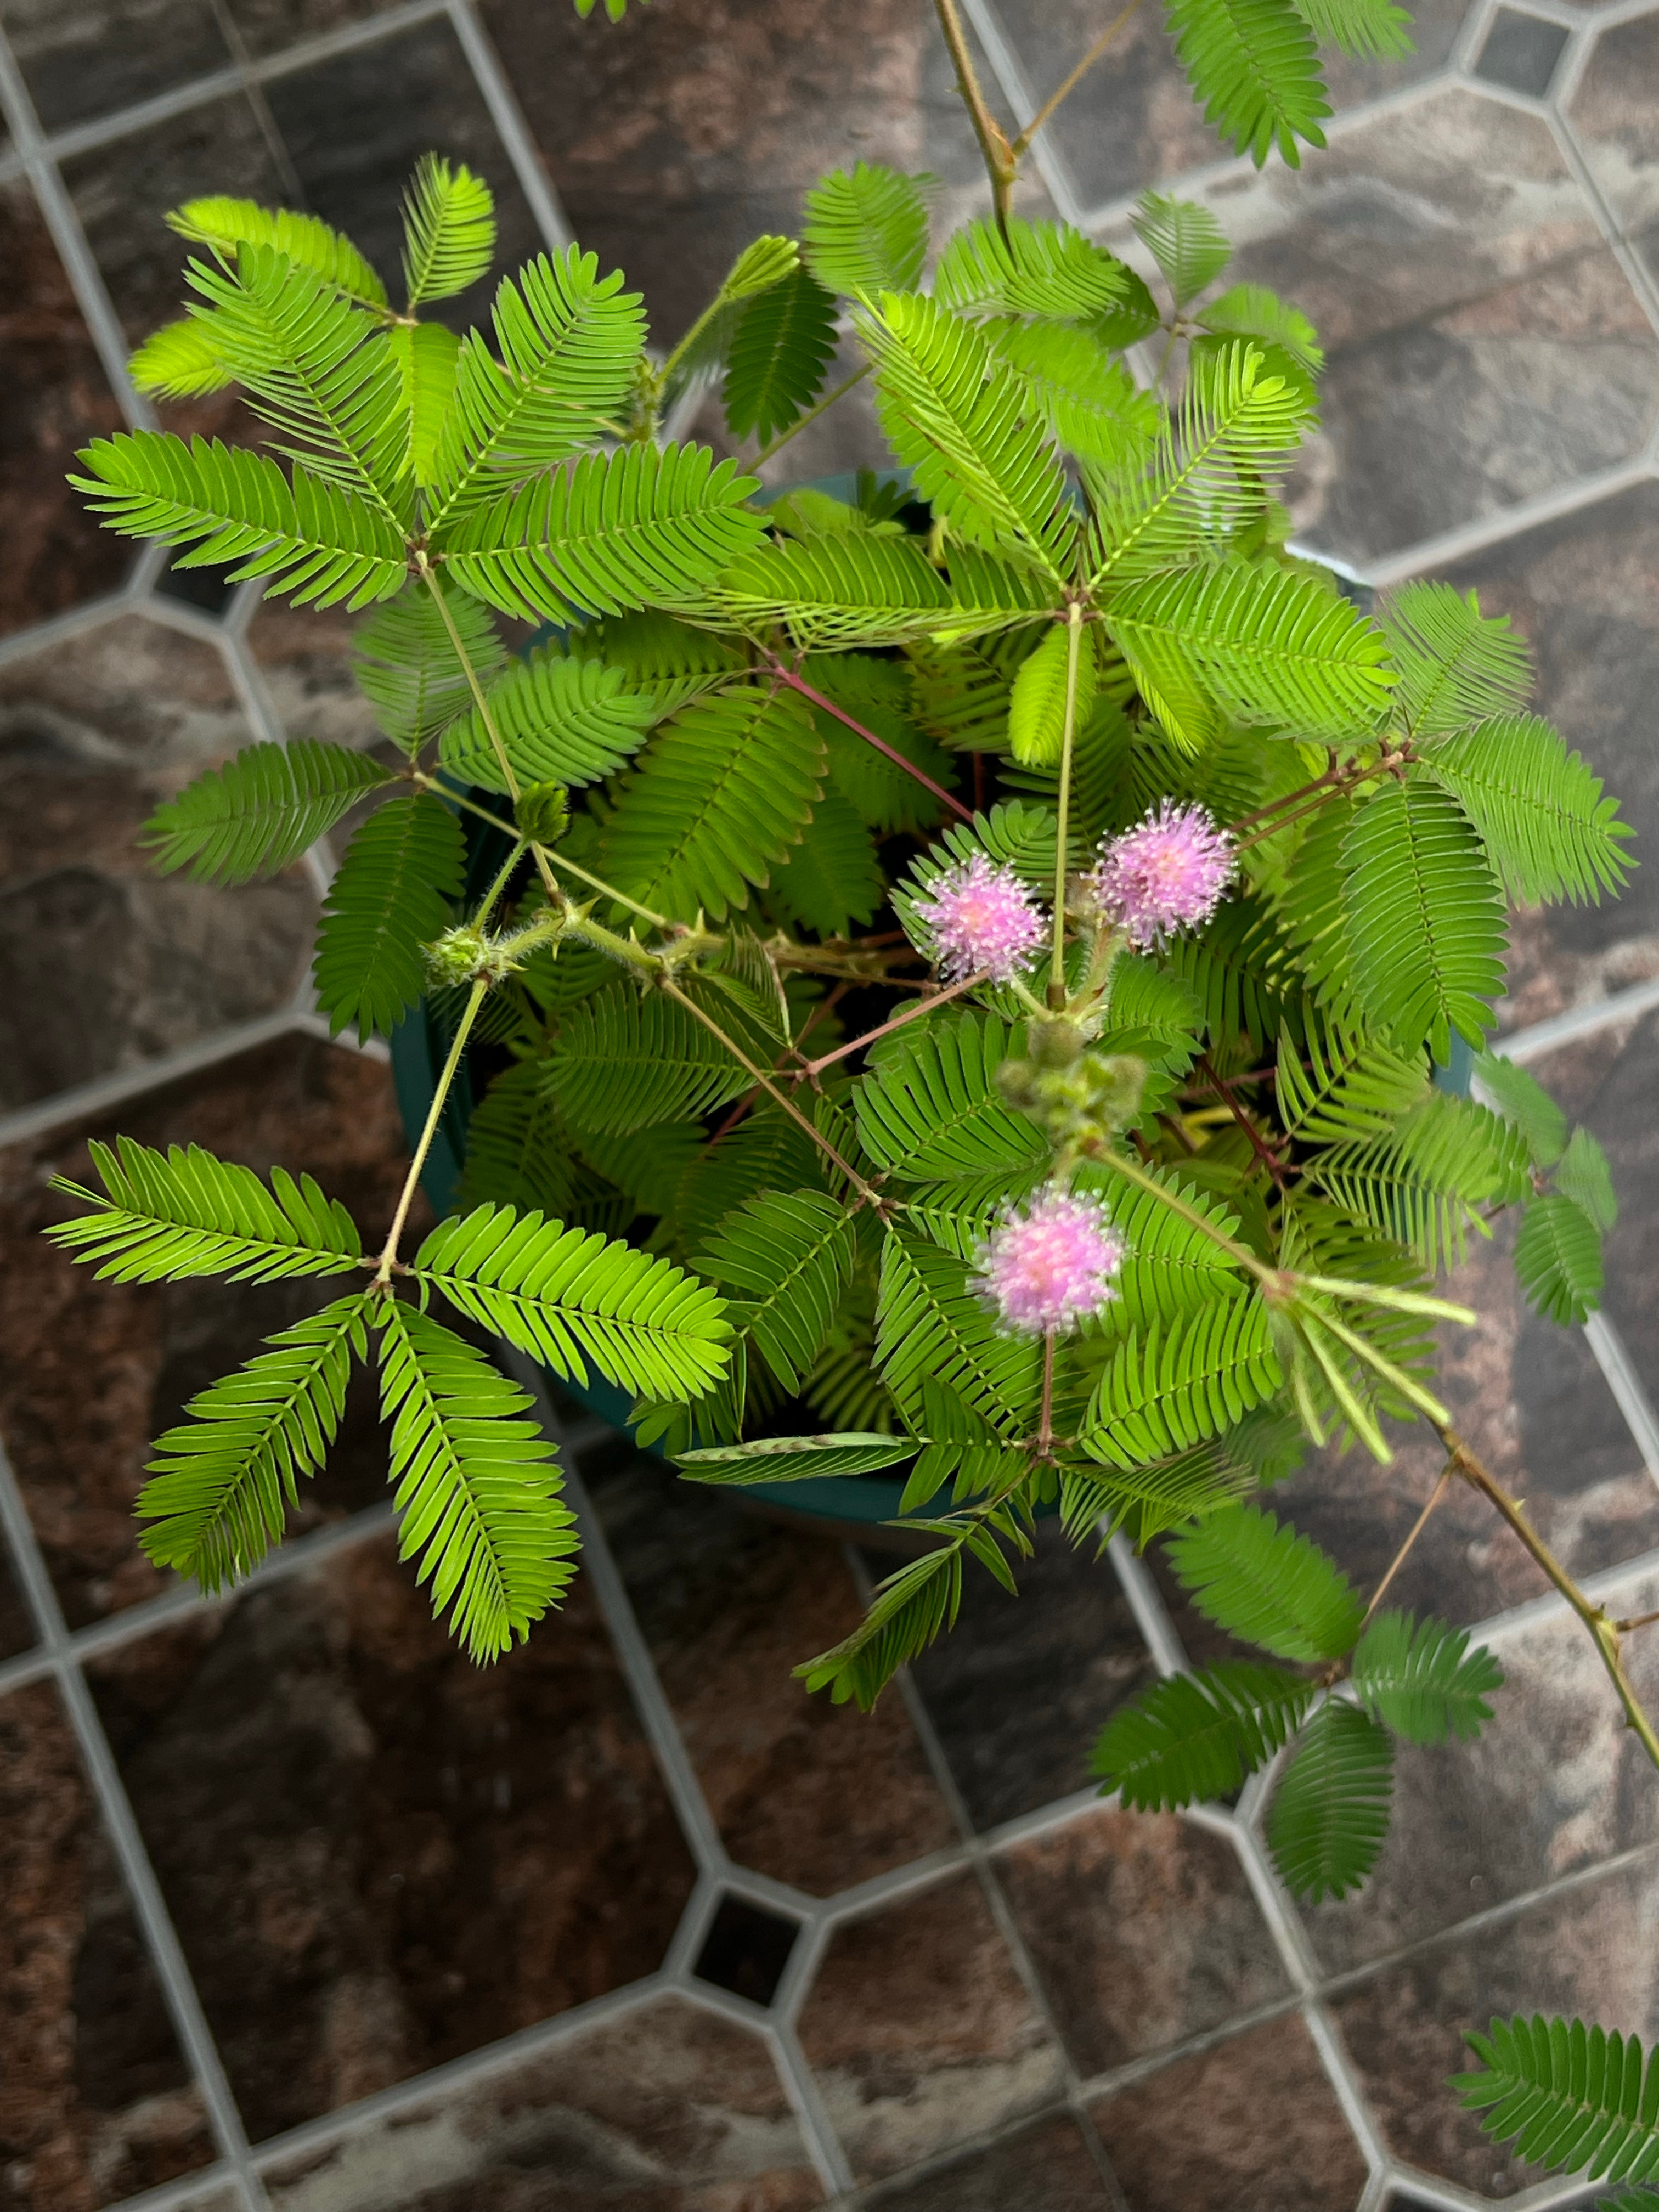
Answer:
[(909, 1014), (797, 684)]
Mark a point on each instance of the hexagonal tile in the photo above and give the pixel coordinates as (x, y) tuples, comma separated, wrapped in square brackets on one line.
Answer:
[(1046, 2167), (1612, 114)]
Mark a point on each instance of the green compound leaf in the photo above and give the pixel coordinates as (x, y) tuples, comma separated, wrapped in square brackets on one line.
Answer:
[(161, 1217), (795, 1459), (1420, 1679), (428, 356), (315, 543), (1193, 1737), (449, 230), (1185, 239), (1329, 1815), (260, 810), (719, 797), (865, 231), (856, 590), (641, 526), (1044, 268), (180, 362), (1548, 830), (406, 665), (1567, 2094), (1254, 66), (1457, 665), (623, 1062), (390, 895), (1520, 1097), (571, 1298), (1181, 1383), (933, 1111), (1267, 1584), (930, 1326), (1370, 30), (784, 341), (1090, 401), (1584, 1175), (832, 881), (1557, 1260), (226, 225), (561, 720), (220, 1484), (792, 1256), (476, 1484), (1425, 918)]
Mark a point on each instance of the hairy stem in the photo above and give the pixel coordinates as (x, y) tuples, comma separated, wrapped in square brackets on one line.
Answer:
[(1001, 165), (909, 1014), (786, 675), (1023, 143), (1604, 1633), (1073, 654), (1264, 1152), (865, 1191), (811, 415), (1045, 1435), (1132, 1171), (597, 883), (434, 1113)]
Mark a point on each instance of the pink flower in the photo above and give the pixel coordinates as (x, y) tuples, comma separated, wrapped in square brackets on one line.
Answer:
[(1166, 873), (1051, 1265), (979, 917)]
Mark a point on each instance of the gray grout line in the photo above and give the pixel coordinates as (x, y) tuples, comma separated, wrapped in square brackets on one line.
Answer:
[(1612, 230), (1486, 530), (64, 628), (198, 2188), (1156, 1629), (1613, 1358), (1531, 1044), (508, 116), (166, 1955), (125, 1084)]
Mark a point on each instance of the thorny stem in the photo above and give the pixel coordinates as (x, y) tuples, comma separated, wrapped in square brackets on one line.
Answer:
[(811, 415), (1023, 143), (907, 1014), (1001, 164), (1636, 1620), (389, 1249), (1073, 644), (1604, 1633), (865, 1191), (787, 676), (597, 882), (1264, 1152)]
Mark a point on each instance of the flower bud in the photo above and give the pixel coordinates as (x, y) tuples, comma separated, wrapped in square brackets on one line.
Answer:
[(544, 813)]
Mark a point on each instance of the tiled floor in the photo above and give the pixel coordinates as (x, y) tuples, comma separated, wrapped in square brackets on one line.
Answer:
[(301, 1912)]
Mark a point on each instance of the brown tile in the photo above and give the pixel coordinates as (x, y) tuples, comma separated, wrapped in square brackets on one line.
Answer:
[(668, 2109), (96, 2102), (1588, 1950), (104, 963), (1133, 122), (1142, 1932), (1529, 1396), (1484, 345), (676, 136), (267, 27), (1556, 1784), (16, 1628), (53, 555), (1046, 2167), (355, 125), (1252, 2126), (379, 1856), (84, 57), (814, 1794), (1620, 1112), (1613, 118), (1020, 1689), (305, 657), (1584, 592), (96, 1368), (921, 2032)]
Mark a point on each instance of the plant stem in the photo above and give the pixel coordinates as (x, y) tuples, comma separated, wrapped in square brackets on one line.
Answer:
[(1045, 1435), (1399, 1558), (865, 1191), (1022, 144), (1073, 654), (499, 884), (786, 675), (1097, 1149), (1264, 1152), (1604, 1633), (389, 1249), (597, 882), (811, 415), (909, 1014), (1000, 165)]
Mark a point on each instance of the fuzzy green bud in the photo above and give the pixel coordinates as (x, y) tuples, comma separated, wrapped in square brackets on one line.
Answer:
[(1056, 1043), (466, 954), (544, 813)]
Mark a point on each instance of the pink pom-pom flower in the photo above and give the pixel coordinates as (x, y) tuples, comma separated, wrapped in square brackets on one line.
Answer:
[(980, 918), (1050, 1266), (1166, 874)]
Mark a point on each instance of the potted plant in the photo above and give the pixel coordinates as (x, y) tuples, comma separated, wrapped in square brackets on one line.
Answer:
[(945, 981)]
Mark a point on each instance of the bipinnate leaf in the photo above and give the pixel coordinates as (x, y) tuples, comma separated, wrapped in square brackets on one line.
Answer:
[(571, 1298), (1044, 268), (226, 224), (1329, 1815), (475, 1482), (1457, 665), (909, 1611), (561, 718), (1584, 1174), (1185, 239), (1425, 918), (1037, 707), (1549, 832), (390, 896), (865, 231), (624, 1061), (1192, 1737), (1254, 66), (449, 230), (1174, 1385), (260, 810), (406, 664), (180, 362), (1420, 1679), (930, 1327), (784, 341), (793, 1458), (1090, 401), (1558, 1258), (162, 1217), (428, 356), (1520, 1097), (790, 1257), (832, 880), (1370, 30), (933, 1111), (1568, 2092), (1267, 1584), (220, 1484)]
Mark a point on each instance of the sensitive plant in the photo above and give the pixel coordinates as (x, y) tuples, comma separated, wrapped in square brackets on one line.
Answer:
[(960, 983)]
